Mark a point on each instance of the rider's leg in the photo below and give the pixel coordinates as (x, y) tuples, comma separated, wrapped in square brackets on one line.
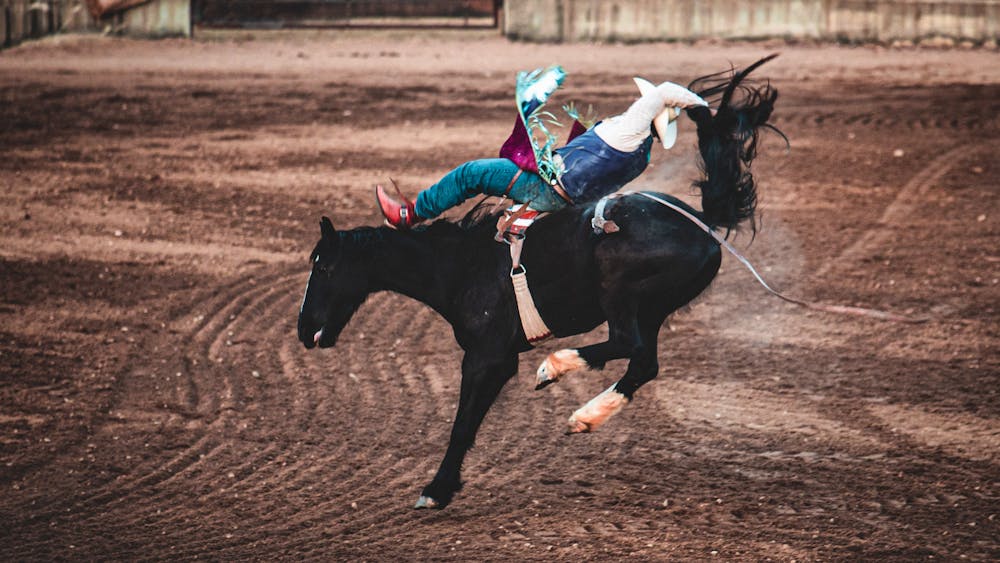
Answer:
[(489, 176)]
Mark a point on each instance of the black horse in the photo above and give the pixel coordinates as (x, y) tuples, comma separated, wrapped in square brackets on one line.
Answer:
[(633, 279)]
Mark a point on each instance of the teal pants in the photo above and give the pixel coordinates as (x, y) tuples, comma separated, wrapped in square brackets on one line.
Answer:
[(489, 176)]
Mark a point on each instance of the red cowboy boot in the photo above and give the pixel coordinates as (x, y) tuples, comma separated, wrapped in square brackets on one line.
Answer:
[(400, 215)]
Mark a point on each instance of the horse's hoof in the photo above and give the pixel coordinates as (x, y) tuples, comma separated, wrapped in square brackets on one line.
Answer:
[(597, 411), (543, 377), (426, 502), (556, 365), (575, 426), (543, 383)]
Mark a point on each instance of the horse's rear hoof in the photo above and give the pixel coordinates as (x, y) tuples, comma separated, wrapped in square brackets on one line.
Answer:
[(575, 426), (426, 502), (543, 383)]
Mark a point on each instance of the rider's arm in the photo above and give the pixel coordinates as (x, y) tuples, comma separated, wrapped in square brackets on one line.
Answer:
[(627, 131)]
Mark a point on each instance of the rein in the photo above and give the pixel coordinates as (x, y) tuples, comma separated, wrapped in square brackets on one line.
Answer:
[(838, 309)]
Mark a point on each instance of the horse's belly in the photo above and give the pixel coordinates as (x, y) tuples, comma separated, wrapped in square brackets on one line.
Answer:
[(567, 311)]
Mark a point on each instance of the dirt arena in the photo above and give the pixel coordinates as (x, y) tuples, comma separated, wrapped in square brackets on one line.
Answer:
[(159, 202)]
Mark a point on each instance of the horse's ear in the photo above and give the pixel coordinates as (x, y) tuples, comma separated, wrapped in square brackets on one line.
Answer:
[(326, 227)]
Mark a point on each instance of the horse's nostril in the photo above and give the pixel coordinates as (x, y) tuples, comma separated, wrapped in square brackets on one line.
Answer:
[(317, 336)]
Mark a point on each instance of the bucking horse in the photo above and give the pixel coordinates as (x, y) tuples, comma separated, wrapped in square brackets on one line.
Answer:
[(657, 262)]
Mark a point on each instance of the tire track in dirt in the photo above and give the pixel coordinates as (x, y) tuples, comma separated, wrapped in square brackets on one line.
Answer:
[(405, 381), (969, 122), (215, 482), (336, 507), (302, 474), (223, 403), (204, 464), (205, 342), (233, 473), (524, 454), (906, 201), (385, 523), (109, 498), (137, 481), (267, 298)]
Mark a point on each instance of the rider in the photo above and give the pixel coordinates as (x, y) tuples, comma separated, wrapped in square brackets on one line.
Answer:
[(593, 164)]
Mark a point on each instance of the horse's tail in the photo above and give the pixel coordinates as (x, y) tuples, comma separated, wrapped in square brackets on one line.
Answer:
[(727, 142)]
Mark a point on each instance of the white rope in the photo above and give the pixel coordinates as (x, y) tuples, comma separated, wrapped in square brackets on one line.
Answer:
[(840, 309)]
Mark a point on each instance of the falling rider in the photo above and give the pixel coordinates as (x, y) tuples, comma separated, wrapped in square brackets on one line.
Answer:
[(594, 163)]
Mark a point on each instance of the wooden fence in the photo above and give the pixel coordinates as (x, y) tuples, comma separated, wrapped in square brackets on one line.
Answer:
[(840, 20), (274, 14), (25, 19), (598, 20), (28, 19)]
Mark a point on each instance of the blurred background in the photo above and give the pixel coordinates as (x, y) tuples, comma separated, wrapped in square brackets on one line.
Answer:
[(907, 21)]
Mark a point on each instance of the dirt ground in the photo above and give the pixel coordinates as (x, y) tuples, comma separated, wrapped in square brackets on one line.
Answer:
[(160, 199)]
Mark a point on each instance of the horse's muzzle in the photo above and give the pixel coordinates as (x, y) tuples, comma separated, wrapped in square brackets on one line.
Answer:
[(308, 337), (322, 338)]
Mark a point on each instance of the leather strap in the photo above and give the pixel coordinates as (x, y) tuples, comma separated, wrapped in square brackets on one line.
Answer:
[(504, 223), (506, 195), (556, 185), (510, 186), (598, 222), (515, 253)]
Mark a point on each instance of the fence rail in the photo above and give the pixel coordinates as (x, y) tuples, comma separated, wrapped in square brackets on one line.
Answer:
[(30, 19), (841, 20), (27, 19), (536, 20), (346, 13)]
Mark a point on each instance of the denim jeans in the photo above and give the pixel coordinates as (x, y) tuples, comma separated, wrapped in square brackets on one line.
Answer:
[(488, 176)]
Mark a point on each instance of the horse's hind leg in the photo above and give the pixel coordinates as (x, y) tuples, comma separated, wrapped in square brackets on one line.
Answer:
[(623, 339), (642, 368), (639, 337)]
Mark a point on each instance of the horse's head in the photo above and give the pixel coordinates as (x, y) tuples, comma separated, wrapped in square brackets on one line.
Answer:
[(337, 286)]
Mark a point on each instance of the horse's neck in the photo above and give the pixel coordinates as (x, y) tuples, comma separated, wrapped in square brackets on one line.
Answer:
[(410, 264)]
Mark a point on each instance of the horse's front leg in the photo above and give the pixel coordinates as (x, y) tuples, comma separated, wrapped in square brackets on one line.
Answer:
[(483, 376)]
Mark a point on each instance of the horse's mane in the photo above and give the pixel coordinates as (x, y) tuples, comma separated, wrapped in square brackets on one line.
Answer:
[(482, 217), (484, 213), (363, 237), (477, 224)]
